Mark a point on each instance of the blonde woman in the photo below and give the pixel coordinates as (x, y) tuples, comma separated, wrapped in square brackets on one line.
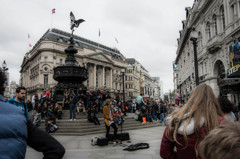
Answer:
[(189, 125), (108, 114)]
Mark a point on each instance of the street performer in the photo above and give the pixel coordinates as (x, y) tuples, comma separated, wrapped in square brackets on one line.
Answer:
[(108, 118)]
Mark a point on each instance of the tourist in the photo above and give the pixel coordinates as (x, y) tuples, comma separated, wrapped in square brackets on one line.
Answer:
[(29, 105), (80, 107), (188, 126), (227, 108), (19, 100), (139, 101), (33, 101), (17, 132), (137, 114), (222, 142), (72, 104), (154, 111), (58, 111), (92, 115), (36, 118), (163, 111)]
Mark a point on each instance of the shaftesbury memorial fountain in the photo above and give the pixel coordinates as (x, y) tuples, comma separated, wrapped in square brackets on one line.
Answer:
[(70, 75)]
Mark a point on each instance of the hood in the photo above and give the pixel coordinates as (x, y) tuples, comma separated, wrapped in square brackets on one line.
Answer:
[(190, 126), (13, 100)]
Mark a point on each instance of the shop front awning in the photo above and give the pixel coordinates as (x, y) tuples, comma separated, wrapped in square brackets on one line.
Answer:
[(230, 84)]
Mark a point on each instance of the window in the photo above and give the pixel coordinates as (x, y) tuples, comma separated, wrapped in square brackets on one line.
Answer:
[(232, 13), (215, 24), (45, 79), (222, 17), (61, 60), (200, 40), (238, 9), (45, 68), (115, 85), (208, 30), (45, 58)]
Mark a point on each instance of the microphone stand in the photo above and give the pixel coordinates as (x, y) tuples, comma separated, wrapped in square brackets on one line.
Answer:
[(120, 143)]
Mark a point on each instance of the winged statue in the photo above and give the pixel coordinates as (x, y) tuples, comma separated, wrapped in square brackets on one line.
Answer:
[(74, 22)]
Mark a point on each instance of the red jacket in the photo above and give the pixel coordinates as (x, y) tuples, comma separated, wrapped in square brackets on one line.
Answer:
[(167, 147)]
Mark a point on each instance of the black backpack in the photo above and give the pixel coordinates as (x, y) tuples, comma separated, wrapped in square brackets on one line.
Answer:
[(75, 99), (163, 108)]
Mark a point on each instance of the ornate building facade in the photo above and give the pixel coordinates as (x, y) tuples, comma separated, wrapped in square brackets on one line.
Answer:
[(138, 81), (104, 64), (218, 26)]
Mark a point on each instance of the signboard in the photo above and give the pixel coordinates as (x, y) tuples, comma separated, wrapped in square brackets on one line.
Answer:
[(175, 67), (234, 55)]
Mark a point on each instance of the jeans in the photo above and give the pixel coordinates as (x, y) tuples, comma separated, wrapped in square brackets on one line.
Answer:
[(154, 115), (115, 130), (72, 110), (162, 118), (87, 103)]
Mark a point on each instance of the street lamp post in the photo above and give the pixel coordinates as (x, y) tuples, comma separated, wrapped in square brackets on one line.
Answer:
[(193, 38), (123, 75), (4, 66)]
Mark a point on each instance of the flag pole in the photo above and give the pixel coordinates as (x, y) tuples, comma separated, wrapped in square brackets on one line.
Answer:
[(99, 34), (28, 42), (53, 12)]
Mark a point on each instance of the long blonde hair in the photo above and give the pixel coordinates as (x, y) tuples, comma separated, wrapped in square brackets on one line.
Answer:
[(202, 103)]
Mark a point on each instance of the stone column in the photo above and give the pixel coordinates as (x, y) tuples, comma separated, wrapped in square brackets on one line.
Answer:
[(111, 77), (94, 75), (103, 76)]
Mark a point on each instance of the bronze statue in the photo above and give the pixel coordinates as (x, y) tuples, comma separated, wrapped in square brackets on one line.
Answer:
[(75, 23)]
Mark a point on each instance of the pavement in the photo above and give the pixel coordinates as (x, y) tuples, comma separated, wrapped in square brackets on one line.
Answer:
[(80, 146)]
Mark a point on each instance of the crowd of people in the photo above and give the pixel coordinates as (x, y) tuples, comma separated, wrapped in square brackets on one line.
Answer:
[(192, 130)]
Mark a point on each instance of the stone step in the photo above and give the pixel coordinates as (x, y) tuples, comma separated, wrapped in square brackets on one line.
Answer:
[(96, 128), (99, 132), (88, 125), (83, 127)]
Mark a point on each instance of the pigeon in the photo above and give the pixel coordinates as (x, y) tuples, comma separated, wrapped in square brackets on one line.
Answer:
[(75, 23)]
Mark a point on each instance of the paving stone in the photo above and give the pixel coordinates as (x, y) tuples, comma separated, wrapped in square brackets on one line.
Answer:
[(80, 146)]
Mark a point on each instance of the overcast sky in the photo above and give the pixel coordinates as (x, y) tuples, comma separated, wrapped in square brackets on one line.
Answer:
[(146, 30)]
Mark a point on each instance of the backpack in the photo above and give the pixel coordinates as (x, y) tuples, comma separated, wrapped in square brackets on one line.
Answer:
[(163, 109), (75, 99), (52, 128), (94, 141)]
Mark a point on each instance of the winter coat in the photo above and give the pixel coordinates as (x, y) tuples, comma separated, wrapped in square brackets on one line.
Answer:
[(167, 147), (20, 106), (13, 132)]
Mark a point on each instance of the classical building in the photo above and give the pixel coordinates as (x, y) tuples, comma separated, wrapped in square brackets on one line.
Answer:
[(104, 64), (12, 89), (218, 25), (138, 81)]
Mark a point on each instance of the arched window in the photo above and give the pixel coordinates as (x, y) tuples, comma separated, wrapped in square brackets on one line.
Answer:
[(222, 17), (215, 24), (208, 30)]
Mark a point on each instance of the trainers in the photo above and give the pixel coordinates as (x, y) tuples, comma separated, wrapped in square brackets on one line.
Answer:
[(74, 119), (70, 120)]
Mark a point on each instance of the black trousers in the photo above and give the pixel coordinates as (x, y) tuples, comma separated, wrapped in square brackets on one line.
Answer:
[(94, 120), (43, 142), (113, 125)]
